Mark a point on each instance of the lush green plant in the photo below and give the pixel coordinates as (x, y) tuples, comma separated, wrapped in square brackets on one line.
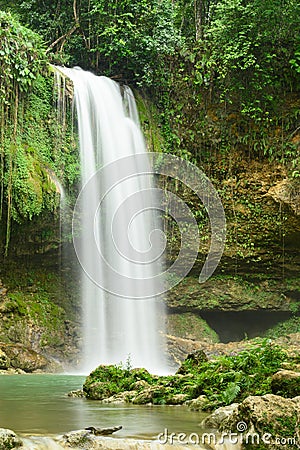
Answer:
[(223, 380), (32, 148), (131, 39)]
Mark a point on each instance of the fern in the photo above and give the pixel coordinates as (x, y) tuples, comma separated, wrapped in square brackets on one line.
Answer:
[(230, 393)]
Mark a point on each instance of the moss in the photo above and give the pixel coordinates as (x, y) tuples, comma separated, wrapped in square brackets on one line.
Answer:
[(230, 293), (149, 118), (283, 328), (190, 326), (223, 380), (24, 311)]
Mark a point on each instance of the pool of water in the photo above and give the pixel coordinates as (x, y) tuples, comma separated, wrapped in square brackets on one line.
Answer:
[(39, 405)]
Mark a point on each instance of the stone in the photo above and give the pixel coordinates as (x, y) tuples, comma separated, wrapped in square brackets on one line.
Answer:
[(9, 439), (217, 418), (149, 395), (286, 383), (99, 390), (121, 398), (177, 399), (197, 404), (76, 394), (4, 360), (78, 439), (141, 384), (192, 361), (268, 414), (24, 358)]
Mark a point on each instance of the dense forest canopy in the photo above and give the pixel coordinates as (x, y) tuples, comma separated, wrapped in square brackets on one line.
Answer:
[(222, 74)]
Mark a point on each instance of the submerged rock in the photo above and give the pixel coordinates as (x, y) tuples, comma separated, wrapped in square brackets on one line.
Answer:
[(9, 440), (76, 394)]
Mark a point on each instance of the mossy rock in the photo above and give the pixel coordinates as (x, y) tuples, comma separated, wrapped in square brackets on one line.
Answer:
[(286, 383), (107, 381), (187, 325), (155, 394), (101, 390), (4, 360), (269, 414), (24, 358), (9, 440), (192, 362)]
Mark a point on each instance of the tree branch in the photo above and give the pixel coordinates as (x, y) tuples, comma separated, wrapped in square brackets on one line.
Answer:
[(68, 34), (63, 37)]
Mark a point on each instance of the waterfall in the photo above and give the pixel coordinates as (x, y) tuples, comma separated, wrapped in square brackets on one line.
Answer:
[(127, 326)]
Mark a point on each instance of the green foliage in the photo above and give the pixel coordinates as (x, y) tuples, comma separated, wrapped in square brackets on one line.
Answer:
[(251, 46), (106, 381), (21, 56), (223, 380), (230, 393), (129, 38), (133, 36), (283, 328), (31, 138)]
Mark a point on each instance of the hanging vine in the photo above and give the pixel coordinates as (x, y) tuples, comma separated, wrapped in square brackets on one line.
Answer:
[(21, 60)]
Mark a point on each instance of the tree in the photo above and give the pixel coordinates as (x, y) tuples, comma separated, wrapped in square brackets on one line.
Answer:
[(132, 38)]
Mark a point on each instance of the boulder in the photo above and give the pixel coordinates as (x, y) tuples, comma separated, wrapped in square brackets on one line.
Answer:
[(139, 385), (121, 398), (76, 394), (220, 416), (78, 439), (4, 361), (177, 399), (149, 395), (197, 404), (286, 383), (24, 358), (9, 440), (270, 415)]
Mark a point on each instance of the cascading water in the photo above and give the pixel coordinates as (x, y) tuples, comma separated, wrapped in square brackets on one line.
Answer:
[(115, 328)]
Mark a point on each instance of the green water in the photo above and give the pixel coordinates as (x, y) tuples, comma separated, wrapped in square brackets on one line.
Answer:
[(39, 405)]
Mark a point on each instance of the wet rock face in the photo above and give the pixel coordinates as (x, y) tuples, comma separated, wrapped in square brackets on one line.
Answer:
[(9, 440), (21, 357)]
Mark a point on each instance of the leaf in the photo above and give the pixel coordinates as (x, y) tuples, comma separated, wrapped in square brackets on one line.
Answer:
[(230, 393)]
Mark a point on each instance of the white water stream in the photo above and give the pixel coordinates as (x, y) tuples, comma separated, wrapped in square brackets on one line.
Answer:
[(127, 327)]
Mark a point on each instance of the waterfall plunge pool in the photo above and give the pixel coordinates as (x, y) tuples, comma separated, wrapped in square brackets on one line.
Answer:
[(37, 404)]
